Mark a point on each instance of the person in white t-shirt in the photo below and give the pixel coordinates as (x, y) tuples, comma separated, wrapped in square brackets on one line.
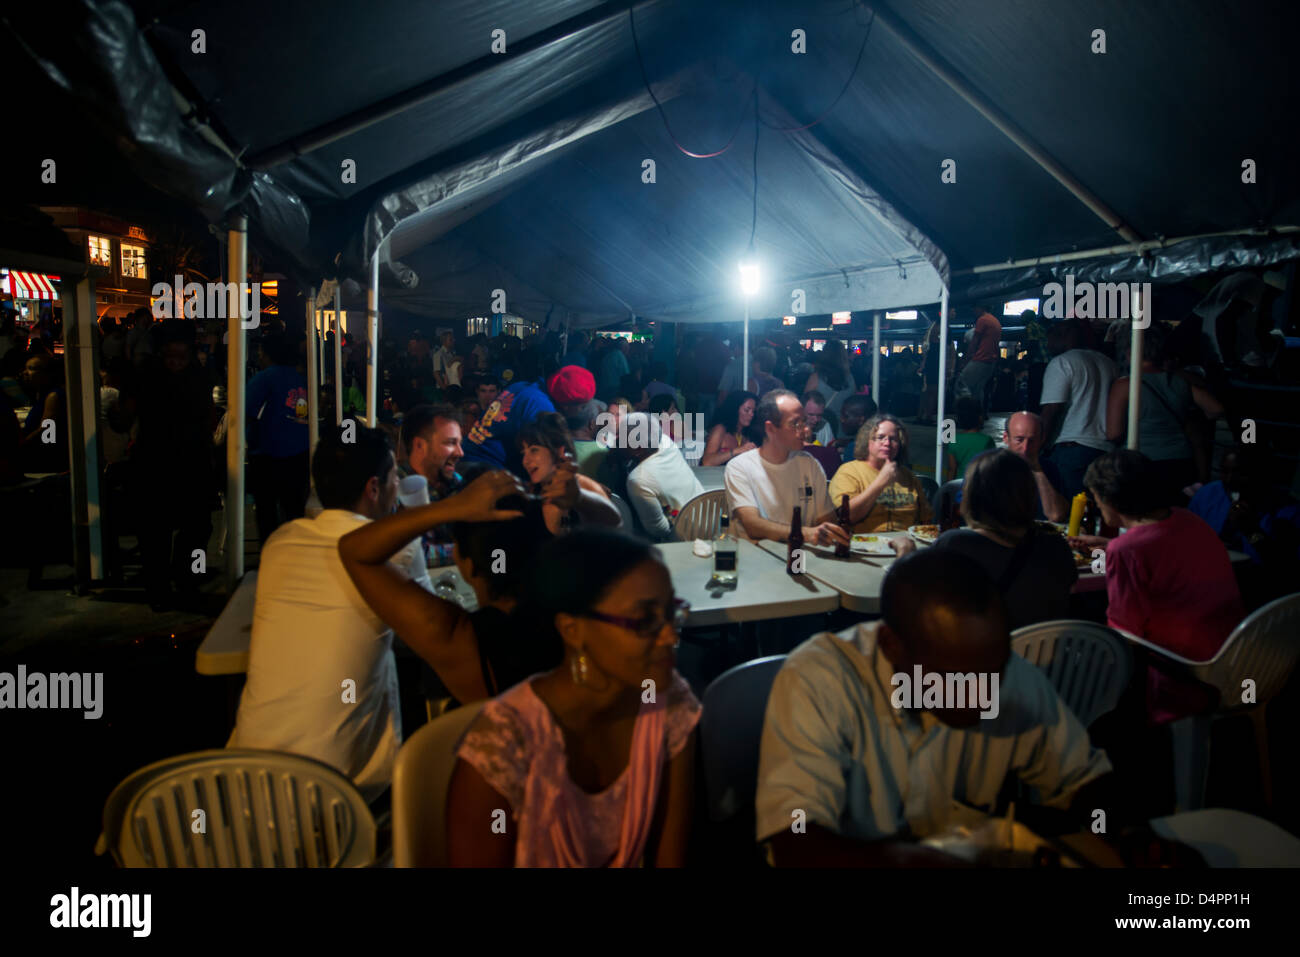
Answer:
[(661, 482), (764, 485), (1076, 387), (446, 364), (313, 632)]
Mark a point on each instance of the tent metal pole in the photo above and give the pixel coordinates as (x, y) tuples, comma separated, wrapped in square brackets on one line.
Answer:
[(82, 373), (338, 360), (372, 359), (936, 65), (313, 385), (236, 414), (1135, 367), (1141, 247), (875, 357), (943, 384), (744, 370)]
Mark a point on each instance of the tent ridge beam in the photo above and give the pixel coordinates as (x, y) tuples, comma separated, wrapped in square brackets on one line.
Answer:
[(1008, 127), (391, 106)]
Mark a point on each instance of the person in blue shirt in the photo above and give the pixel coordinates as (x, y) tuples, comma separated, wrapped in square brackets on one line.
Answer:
[(1250, 516), (493, 438), (278, 465)]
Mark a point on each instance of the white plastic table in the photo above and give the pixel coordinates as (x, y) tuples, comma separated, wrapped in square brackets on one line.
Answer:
[(225, 649), (1231, 838), (856, 579), (763, 589)]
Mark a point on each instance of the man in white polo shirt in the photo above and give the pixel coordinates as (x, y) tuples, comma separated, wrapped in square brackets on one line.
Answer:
[(661, 482), (764, 485), (322, 681)]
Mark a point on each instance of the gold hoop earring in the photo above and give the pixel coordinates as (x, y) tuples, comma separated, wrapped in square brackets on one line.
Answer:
[(578, 669)]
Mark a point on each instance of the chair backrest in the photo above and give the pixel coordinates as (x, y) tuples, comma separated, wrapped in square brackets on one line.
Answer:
[(945, 499), (420, 782), (731, 728), (1088, 664), (1263, 648), (930, 487), (701, 516), (630, 524), (259, 809)]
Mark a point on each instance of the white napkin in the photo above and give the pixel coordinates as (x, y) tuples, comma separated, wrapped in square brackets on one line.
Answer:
[(702, 548)]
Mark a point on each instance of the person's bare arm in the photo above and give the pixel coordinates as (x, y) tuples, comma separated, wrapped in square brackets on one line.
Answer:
[(471, 840), (1049, 414), (757, 528), (1117, 409), (672, 823), (1207, 403), (435, 629), (713, 453), (1054, 504), (821, 847)]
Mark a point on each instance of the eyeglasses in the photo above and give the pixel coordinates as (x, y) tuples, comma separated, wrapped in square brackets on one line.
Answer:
[(651, 625)]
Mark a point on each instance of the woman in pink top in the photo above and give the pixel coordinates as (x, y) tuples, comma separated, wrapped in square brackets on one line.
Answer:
[(1168, 578), (592, 761)]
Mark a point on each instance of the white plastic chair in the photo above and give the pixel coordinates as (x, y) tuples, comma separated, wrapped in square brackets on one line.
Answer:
[(701, 517), (260, 809), (421, 779), (731, 730), (625, 512), (1262, 649), (1088, 664)]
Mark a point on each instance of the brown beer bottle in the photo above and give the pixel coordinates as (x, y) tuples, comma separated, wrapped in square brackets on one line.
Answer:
[(795, 542), (842, 550)]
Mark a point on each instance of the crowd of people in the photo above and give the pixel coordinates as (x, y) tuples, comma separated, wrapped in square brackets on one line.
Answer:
[(509, 458)]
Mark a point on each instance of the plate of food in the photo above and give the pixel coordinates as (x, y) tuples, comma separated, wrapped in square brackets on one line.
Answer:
[(1082, 558), (872, 544), (925, 534)]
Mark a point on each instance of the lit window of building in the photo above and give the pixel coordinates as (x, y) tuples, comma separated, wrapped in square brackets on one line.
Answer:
[(101, 251), (133, 262)]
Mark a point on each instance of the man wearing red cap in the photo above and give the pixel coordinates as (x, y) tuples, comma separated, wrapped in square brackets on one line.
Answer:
[(570, 389)]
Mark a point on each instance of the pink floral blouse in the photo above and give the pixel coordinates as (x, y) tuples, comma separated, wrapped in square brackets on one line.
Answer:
[(518, 748)]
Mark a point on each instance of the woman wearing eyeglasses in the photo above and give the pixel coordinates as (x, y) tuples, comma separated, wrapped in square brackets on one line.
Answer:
[(593, 759), (884, 495)]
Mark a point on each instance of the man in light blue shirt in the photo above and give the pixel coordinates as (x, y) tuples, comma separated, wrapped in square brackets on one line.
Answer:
[(849, 774)]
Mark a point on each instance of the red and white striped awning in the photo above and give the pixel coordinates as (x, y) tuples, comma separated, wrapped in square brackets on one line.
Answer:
[(29, 285)]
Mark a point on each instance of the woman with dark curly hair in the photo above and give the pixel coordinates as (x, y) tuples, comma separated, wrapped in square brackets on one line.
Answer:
[(727, 435)]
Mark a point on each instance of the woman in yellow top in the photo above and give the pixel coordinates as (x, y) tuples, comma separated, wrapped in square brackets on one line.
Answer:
[(884, 495)]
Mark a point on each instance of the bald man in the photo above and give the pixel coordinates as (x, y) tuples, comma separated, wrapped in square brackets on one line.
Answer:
[(1024, 436), (856, 764)]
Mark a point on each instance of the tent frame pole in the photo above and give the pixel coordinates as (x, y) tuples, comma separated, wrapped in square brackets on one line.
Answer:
[(875, 357), (313, 385), (936, 65), (744, 369), (1135, 366), (338, 360), (236, 414), (943, 385), (372, 357)]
